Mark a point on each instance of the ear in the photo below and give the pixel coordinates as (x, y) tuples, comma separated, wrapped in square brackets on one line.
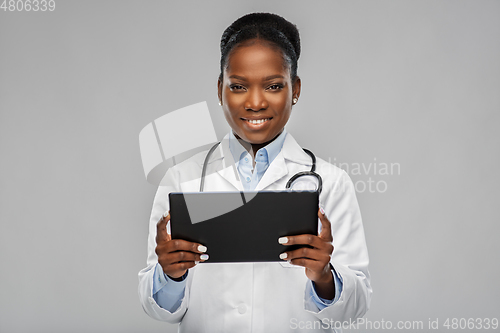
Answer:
[(219, 89), (296, 87)]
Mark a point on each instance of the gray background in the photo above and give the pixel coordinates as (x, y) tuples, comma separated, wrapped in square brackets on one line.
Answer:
[(410, 82)]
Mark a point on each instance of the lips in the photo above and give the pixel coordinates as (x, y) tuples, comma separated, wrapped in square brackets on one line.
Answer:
[(257, 121)]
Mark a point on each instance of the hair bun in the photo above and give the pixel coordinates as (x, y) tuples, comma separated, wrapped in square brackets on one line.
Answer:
[(264, 20), (265, 26)]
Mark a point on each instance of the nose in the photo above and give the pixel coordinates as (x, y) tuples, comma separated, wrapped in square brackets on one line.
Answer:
[(256, 101)]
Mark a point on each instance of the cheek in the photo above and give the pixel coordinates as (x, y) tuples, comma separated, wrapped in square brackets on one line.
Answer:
[(283, 105), (232, 106), (283, 100), (227, 114), (231, 117), (229, 99)]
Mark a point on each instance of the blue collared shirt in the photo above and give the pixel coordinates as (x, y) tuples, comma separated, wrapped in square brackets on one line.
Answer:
[(169, 293), (250, 175)]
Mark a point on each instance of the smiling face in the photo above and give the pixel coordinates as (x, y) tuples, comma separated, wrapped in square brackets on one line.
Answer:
[(257, 92)]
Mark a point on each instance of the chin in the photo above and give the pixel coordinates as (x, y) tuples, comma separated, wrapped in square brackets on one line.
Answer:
[(257, 139)]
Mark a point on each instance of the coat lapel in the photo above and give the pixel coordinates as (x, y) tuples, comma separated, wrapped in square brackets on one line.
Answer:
[(292, 151), (278, 169), (224, 163)]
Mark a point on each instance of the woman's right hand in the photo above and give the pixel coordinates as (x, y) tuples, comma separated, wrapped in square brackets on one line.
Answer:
[(176, 256)]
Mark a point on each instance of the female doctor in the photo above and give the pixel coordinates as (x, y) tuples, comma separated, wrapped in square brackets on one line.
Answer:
[(312, 289)]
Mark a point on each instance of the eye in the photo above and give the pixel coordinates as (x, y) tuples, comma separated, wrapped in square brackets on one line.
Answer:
[(236, 87), (276, 86)]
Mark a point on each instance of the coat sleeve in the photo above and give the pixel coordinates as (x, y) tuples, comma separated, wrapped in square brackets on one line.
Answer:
[(350, 254), (160, 206)]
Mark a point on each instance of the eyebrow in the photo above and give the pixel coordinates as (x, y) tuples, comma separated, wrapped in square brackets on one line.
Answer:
[(267, 78)]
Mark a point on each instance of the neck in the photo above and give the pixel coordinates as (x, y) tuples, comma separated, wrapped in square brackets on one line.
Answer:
[(252, 148)]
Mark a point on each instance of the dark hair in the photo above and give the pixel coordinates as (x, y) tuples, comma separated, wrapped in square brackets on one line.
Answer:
[(265, 26)]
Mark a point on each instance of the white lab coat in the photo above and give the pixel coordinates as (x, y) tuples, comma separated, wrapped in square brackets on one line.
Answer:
[(264, 297)]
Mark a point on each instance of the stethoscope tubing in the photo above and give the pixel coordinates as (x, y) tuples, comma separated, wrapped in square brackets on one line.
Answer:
[(312, 172)]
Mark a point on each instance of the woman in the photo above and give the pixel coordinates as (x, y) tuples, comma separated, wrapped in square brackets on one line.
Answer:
[(312, 289)]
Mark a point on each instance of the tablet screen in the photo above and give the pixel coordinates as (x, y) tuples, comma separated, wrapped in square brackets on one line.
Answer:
[(243, 226)]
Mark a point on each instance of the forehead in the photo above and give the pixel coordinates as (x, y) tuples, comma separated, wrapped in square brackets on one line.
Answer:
[(256, 58)]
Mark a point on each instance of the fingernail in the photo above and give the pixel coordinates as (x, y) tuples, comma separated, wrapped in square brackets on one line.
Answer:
[(204, 257), (283, 255), (283, 240), (165, 214), (202, 248), (321, 210)]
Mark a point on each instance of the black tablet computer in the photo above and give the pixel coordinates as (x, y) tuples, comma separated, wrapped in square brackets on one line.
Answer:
[(243, 226)]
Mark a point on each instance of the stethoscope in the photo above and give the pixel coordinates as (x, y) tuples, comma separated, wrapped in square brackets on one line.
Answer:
[(290, 181)]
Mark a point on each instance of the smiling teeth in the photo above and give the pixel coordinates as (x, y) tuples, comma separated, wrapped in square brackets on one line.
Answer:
[(260, 121)]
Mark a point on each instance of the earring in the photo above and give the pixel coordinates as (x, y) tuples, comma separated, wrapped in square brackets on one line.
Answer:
[(220, 103), (295, 100)]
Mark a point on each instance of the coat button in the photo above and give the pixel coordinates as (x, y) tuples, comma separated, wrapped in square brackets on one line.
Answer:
[(242, 308)]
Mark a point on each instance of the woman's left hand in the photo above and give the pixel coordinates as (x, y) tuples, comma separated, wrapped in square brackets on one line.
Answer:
[(316, 260)]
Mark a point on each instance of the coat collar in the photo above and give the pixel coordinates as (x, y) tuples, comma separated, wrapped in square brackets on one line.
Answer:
[(222, 161)]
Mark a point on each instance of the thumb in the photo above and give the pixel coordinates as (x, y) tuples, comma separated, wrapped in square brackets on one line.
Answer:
[(169, 231), (161, 229), (326, 226)]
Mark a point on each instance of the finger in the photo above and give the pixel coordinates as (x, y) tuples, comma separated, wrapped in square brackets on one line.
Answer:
[(181, 256), (161, 228), (174, 269), (305, 239), (326, 226), (313, 265), (307, 253), (183, 245)]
